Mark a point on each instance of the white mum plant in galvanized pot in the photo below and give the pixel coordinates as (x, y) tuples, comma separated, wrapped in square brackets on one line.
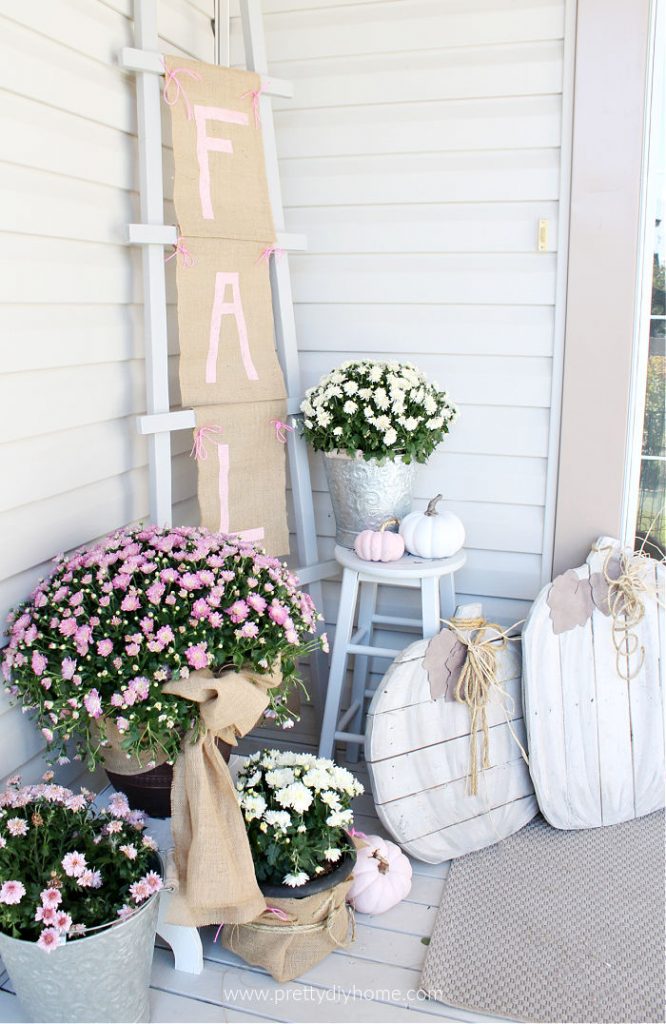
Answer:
[(374, 421)]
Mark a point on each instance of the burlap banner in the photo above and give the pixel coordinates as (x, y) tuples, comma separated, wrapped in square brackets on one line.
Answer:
[(242, 472), (225, 324), (220, 187)]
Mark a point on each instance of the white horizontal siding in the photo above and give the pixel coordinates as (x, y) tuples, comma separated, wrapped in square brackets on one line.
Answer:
[(420, 151), (71, 324)]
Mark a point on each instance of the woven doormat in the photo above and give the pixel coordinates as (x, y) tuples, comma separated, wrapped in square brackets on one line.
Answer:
[(556, 926)]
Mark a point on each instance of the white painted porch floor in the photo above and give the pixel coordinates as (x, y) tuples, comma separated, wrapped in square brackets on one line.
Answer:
[(375, 979)]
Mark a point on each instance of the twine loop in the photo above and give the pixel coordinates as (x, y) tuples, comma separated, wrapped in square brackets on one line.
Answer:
[(626, 604), (181, 249), (281, 430)]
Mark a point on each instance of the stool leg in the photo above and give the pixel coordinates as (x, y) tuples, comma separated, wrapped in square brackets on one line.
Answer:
[(447, 596), (336, 678), (430, 613), (366, 609)]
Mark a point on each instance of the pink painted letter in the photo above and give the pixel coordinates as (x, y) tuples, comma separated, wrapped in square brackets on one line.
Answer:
[(223, 485), (235, 309), (212, 144)]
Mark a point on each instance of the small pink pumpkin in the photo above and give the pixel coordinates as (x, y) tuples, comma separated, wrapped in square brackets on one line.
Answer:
[(380, 545), (382, 876)]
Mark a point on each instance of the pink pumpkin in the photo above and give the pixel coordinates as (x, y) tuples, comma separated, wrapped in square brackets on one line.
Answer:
[(380, 545), (382, 876)]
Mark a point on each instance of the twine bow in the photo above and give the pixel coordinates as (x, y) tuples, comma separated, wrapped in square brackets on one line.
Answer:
[(171, 79), (280, 430), (476, 683), (181, 249), (255, 94), (626, 605), (270, 250), (201, 435)]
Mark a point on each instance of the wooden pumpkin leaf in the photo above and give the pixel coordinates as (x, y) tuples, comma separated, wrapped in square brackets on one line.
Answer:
[(599, 583), (444, 659), (570, 601)]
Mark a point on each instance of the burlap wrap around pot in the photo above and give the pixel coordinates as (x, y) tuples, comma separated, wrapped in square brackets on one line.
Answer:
[(303, 932), (216, 880)]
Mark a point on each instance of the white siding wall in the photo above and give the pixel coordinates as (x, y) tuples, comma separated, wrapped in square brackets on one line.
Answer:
[(71, 464), (421, 148)]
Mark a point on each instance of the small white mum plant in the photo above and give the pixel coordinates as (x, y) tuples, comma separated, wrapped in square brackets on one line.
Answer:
[(297, 810), (382, 410)]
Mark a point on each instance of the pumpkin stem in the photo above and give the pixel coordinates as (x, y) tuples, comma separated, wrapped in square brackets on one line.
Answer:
[(383, 863), (432, 505), (391, 521)]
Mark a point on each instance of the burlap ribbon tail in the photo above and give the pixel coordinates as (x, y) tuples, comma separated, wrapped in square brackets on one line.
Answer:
[(216, 879)]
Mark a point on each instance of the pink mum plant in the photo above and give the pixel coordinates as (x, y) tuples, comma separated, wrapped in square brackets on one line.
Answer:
[(66, 870), (98, 638)]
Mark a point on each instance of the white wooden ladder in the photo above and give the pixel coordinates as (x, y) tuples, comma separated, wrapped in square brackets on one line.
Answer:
[(153, 235)]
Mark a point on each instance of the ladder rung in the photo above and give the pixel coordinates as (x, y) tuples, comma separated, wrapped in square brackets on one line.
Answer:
[(147, 60), (167, 234), (349, 714), (395, 620), (350, 737), (373, 652), (319, 571), (184, 419)]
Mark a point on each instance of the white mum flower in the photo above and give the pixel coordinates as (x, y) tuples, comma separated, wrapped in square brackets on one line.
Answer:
[(278, 819), (383, 422), (381, 398), (369, 414), (350, 387), (296, 796), (375, 372), (332, 799), (295, 880), (280, 777), (323, 418), (337, 431), (338, 819), (349, 407), (317, 779), (365, 393), (434, 424), (253, 806), (390, 437), (430, 405), (332, 853), (411, 423)]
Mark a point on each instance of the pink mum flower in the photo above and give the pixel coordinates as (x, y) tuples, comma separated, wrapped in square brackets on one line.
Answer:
[(278, 613), (248, 629), (63, 921), (126, 912), (93, 703), (238, 611), (139, 891), (165, 635), (47, 915), (39, 663), (76, 803), (49, 939), (47, 734), (128, 850), (17, 826), (74, 864), (90, 879), (257, 603), (130, 603), (153, 881), (196, 656), (12, 892), (68, 668), (122, 724), (68, 627), (104, 647), (51, 897), (118, 805)]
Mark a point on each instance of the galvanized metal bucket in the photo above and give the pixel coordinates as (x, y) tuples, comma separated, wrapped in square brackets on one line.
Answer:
[(103, 977), (364, 494)]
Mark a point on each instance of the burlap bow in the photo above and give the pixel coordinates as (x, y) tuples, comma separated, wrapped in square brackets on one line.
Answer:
[(216, 879)]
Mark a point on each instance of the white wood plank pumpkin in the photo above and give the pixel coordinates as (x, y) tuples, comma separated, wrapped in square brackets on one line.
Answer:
[(596, 737), (418, 752)]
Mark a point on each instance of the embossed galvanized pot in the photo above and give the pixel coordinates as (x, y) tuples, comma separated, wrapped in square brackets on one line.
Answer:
[(103, 977), (364, 494)]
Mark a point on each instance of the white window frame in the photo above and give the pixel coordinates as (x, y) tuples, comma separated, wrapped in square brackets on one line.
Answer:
[(641, 340)]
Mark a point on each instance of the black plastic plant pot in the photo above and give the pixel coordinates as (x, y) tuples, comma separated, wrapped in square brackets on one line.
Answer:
[(315, 885)]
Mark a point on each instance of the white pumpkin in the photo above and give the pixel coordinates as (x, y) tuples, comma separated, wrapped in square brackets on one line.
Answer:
[(382, 876), (432, 534)]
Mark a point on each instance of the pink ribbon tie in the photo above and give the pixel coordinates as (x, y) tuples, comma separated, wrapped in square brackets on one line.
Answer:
[(217, 933), (255, 94), (171, 78), (270, 250), (280, 914), (201, 435), (281, 430), (180, 247)]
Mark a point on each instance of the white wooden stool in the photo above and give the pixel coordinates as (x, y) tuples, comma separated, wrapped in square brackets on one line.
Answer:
[(360, 579)]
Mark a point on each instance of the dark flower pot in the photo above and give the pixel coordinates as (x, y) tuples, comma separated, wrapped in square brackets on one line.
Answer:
[(341, 872), (150, 791)]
